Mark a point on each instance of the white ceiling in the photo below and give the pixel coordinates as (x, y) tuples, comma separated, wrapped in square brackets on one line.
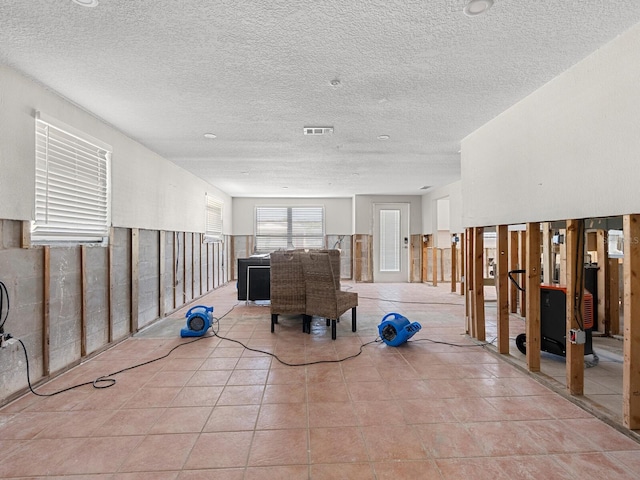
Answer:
[(255, 72)]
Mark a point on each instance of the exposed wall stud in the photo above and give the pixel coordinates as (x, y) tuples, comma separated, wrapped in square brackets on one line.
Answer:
[(631, 366), (502, 287), (532, 291), (575, 306)]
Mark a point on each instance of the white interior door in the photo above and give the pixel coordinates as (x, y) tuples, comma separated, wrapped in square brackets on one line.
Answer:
[(391, 242)]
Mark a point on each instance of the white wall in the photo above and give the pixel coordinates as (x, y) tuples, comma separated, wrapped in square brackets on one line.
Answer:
[(453, 192), (148, 191), (364, 211), (569, 150), (337, 212)]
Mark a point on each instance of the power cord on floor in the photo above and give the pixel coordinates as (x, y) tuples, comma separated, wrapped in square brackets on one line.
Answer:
[(483, 344)]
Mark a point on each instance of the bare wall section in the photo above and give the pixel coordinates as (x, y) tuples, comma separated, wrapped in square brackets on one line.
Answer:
[(569, 150)]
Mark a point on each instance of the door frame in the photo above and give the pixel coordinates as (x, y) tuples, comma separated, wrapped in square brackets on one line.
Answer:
[(405, 251)]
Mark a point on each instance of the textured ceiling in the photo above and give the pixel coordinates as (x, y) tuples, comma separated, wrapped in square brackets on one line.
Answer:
[(255, 73)]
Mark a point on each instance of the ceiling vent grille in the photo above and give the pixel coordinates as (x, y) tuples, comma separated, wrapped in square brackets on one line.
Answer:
[(317, 130)]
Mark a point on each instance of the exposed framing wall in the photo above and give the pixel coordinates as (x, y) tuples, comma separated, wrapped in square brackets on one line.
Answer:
[(70, 303)]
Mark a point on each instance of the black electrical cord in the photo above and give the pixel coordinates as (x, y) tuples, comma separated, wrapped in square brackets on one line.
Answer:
[(411, 302), (483, 344), (4, 294)]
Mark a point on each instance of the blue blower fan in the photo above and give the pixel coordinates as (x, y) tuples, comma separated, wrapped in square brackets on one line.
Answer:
[(198, 321), (396, 329)]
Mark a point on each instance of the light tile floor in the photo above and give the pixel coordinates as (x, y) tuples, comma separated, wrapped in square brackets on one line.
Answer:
[(215, 410)]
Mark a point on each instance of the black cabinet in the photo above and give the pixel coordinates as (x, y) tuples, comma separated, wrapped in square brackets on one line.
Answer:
[(254, 278)]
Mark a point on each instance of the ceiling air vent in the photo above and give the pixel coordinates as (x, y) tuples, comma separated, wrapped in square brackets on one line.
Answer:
[(317, 130)]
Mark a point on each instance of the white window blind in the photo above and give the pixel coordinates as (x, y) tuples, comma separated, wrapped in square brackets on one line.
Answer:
[(214, 220), (280, 228), (389, 240), (72, 186)]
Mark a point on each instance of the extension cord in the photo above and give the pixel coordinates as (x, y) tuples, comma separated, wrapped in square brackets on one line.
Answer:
[(6, 339)]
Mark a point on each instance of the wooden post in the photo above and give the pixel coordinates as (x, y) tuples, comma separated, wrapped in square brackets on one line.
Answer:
[(532, 292), (478, 280), (604, 299), (470, 298), (46, 310), (631, 366), (184, 268), (434, 261), (463, 260), (425, 259), (174, 275), (502, 287), (614, 296), (523, 265), (575, 305), (513, 265), (135, 279), (84, 282), (454, 266)]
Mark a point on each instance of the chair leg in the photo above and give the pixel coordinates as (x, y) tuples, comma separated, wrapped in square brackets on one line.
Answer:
[(328, 322), (333, 329), (306, 323), (274, 320), (353, 319)]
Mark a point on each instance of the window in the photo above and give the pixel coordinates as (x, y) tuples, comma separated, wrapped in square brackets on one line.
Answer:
[(213, 231), (279, 228), (72, 186)]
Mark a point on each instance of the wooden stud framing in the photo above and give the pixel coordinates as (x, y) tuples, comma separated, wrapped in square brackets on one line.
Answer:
[(463, 260), (434, 261), (603, 307), (454, 266), (478, 280), (513, 265), (209, 270), (502, 287), (184, 268), (532, 292), (135, 278), (562, 280), (174, 268), (162, 281), (84, 281), (111, 293), (46, 310), (193, 265), (631, 366), (470, 298), (575, 310)]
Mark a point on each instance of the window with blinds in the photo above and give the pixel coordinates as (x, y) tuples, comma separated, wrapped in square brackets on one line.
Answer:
[(213, 231), (72, 186), (282, 228)]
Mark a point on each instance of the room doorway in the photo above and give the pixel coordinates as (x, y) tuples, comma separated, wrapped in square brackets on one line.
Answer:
[(391, 242)]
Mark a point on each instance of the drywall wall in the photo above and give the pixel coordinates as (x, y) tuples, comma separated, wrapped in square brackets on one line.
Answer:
[(453, 192), (148, 191), (569, 150), (337, 212), (364, 211)]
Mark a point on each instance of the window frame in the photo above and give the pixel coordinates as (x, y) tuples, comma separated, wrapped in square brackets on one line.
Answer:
[(214, 209), (268, 241), (72, 186)]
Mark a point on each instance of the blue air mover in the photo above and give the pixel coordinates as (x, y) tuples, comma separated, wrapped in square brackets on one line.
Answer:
[(396, 329), (198, 321)]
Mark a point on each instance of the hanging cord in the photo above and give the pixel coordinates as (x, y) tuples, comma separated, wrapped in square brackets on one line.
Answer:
[(4, 295)]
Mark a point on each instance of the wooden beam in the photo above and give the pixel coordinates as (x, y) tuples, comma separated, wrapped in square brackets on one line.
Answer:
[(562, 280), (46, 310), (84, 283), (575, 305), (603, 306), (502, 287), (614, 296), (434, 261), (513, 265), (478, 280), (631, 366), (463, 261), (523, 265), (209, 270), (425, 258), (174, 268), (454, 266), (470, 298), (135, 279), (184, 268), (532, 293)]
